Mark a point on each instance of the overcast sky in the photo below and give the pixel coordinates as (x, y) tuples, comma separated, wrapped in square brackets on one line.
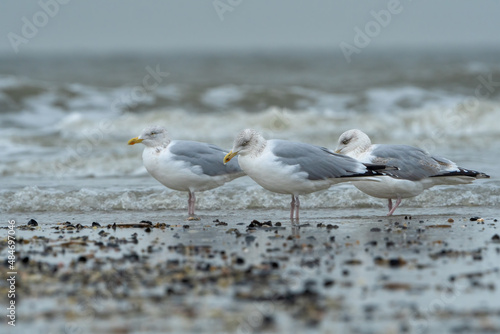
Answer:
[(160, 25)]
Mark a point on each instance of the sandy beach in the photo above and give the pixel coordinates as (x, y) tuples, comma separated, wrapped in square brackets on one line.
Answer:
[(252, 271)]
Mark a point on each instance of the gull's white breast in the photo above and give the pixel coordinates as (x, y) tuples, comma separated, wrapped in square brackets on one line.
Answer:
[(389, 187), (177, 174)]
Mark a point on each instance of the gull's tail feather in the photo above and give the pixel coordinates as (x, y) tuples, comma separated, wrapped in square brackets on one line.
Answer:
[(464, 172), (459, 176)]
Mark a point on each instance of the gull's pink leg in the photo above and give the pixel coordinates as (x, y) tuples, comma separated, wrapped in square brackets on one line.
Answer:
[(395, 207), (297, 207), (191, 203), (292, 207), (389, 205)]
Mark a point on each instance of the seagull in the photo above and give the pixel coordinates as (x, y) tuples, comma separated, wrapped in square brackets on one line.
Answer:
[(417, 172), (184, 165), (294, 168)]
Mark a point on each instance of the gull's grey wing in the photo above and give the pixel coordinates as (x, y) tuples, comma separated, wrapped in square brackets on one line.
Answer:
[(209, 157), (444, 163), (413, 163), (318, 162), (449, 168)]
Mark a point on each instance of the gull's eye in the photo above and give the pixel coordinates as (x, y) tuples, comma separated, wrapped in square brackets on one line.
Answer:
[(245, 143), (345, 141), (152, 133)]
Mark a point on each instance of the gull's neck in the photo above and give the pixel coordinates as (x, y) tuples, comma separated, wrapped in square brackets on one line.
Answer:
[(259, 147), (359, 151), (159, 146)]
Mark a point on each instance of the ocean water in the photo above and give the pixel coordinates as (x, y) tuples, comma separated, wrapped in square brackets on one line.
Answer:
[(65, 121)]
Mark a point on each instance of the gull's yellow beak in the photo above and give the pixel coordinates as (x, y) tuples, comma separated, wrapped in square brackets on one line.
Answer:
[(229, 156), (135, 140)]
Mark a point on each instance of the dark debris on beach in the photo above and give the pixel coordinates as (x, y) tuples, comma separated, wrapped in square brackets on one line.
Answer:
[(303, 270)]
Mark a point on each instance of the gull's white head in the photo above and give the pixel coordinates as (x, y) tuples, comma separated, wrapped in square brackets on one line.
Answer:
[(248, 141), (152, 136), (353, 142)]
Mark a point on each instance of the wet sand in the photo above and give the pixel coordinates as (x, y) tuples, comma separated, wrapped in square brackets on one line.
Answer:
[(337, 271)]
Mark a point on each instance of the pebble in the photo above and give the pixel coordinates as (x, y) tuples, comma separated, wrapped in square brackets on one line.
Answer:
[(328, 283), (219, 223), (398, 262), (32, 222), (250, 238), (397, 286)]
